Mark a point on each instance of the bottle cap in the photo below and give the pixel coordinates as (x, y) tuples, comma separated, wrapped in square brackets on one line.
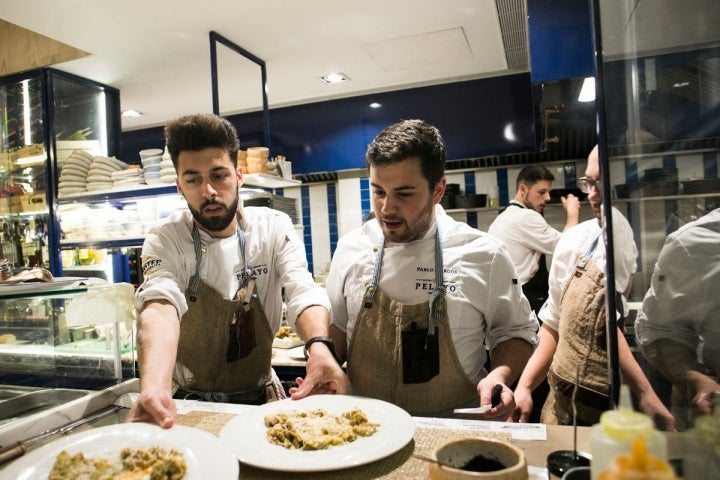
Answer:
[(625, 424)]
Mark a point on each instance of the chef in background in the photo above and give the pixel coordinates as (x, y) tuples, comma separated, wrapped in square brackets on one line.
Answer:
[(210, 302), (525, 233), (418, 299)]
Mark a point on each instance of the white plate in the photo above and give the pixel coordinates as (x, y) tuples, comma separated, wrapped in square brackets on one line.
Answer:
[(28, 287), (246, 435), (297, 353), (206, 457)]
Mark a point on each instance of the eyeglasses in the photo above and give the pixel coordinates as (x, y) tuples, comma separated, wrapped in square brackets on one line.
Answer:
[(586, 184)]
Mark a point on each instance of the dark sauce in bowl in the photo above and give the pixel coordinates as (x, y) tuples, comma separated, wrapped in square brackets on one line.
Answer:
[(480, 463)]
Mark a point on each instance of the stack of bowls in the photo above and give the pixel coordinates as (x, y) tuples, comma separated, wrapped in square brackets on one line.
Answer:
[(151, 159)]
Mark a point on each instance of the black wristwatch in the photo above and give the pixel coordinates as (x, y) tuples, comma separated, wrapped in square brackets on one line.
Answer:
[(327, 341)]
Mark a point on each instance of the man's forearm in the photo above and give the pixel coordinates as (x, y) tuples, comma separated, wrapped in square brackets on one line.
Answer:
[(536, 369), (158, 336), (508, 359)]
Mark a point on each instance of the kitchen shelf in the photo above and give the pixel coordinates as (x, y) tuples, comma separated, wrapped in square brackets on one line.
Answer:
[(665, 197), (118, 194), (269, 181), (123, 242)]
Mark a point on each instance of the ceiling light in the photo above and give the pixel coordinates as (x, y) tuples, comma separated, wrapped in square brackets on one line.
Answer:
[(375, 105), (335, 78), (587, 92), (132, 113)]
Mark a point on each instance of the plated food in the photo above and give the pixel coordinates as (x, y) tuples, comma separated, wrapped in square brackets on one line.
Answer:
[(247, 434), (317, 429), (153, 463), (205, 456)]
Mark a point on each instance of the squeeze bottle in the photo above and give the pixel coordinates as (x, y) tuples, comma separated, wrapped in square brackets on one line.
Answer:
[(616, 431)]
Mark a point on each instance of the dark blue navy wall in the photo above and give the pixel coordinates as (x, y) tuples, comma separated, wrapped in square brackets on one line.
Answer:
[(473, 116), (561, 41)]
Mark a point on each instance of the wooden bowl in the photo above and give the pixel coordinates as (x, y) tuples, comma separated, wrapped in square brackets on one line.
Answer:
[(455, 455)]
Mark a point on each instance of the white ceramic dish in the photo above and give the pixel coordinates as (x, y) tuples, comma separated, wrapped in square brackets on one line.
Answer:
[(206, 457), (246, 435), (29, 287)]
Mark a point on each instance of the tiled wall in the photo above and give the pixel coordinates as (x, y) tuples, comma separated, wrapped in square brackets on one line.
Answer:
[(329, 210)]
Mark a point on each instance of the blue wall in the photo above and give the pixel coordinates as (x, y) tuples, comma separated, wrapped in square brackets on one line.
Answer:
[(333, 135), (561, 39)]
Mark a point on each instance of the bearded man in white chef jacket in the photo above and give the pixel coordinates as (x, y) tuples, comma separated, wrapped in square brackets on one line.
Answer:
[(210, 302), (418, 299)]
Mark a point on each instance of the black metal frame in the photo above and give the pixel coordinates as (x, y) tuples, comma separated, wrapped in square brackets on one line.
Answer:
[(610, 298), (216, 38)]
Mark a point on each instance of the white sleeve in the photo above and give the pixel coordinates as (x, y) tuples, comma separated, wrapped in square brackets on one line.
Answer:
[(162, 269), (301, 290), (670, 307)]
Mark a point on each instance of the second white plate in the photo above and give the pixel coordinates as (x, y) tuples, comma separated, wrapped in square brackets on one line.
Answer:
[(246, 435)]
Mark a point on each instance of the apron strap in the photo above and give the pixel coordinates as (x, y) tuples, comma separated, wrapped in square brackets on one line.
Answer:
[(199, 251), (585, 258), (437, 298)]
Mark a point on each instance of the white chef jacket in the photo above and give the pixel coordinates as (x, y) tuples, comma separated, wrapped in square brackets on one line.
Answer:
[(683, 301), (484, 301), (273, 250), (526, 236), (573, 243)]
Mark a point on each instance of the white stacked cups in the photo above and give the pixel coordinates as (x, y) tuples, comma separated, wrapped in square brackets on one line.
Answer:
[(151, 159)]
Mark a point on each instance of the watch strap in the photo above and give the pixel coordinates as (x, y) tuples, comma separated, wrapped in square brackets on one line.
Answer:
[(326, 340)]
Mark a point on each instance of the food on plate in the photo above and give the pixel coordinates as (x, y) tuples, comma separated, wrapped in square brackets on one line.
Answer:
[(36, 274), (285, 332), (317, 429), (638, 465), (7, 338), (132, 464)]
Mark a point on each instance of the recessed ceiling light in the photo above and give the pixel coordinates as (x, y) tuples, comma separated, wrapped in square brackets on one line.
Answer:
[(335, 78), (131, 113), (375, 105)]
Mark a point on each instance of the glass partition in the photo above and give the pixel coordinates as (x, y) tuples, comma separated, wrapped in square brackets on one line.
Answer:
[(660, 93)]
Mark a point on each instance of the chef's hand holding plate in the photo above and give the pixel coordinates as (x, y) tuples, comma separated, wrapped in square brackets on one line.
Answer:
[(154, 405)]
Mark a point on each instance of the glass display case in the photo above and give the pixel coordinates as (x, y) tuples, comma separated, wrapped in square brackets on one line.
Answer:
[(45, 115), (69, 333), (658, 91)]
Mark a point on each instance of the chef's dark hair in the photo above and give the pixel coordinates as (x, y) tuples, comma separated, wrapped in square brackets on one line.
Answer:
[(532, 174), (200, 131), (410, 139)]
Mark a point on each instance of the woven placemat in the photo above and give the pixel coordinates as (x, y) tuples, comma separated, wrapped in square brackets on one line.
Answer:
[(399, 466)]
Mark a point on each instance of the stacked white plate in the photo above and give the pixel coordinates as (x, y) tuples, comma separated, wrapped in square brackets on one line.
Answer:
[(100, 174), (167, 171), (74, 172), (127, 178)]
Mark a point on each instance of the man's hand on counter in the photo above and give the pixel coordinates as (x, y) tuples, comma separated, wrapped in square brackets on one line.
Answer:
[(154, 406), (324, 374)]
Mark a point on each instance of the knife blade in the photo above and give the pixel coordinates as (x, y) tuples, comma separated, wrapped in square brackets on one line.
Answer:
[(18, 449)]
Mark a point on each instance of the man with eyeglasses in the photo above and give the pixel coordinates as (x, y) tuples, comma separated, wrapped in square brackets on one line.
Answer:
[(525, 233), (573, 338)]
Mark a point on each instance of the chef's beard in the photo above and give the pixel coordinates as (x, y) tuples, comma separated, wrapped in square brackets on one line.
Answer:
[(215, 223), (412, 231)]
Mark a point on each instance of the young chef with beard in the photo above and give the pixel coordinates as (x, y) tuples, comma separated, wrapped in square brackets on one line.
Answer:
[(210, 302), (526, 234), (573, 339), (418, 299)]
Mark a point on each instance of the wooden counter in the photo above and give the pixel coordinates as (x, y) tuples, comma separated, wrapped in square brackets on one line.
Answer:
[(429, 434)]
